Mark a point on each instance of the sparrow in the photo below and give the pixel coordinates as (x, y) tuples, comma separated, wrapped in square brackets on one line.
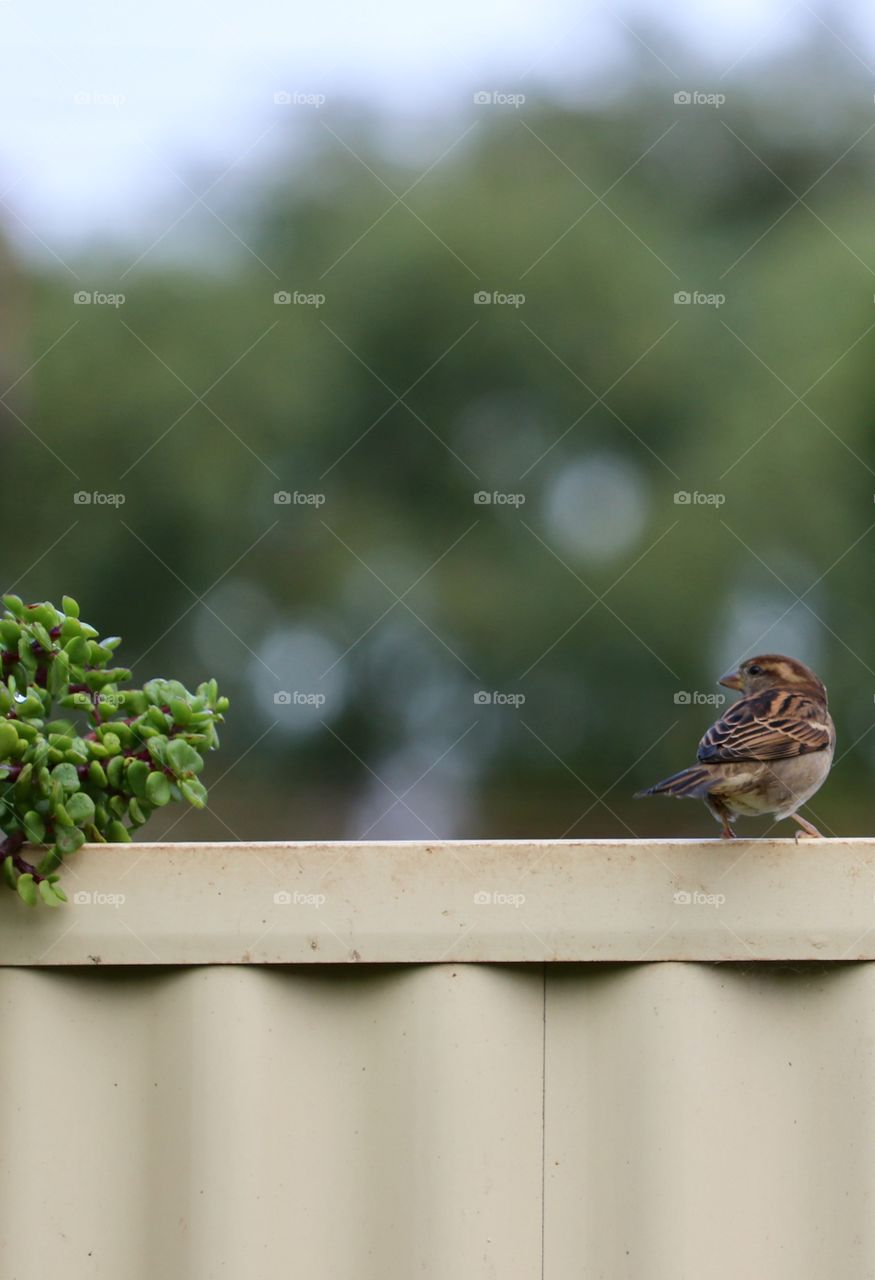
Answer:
[(769, 753)]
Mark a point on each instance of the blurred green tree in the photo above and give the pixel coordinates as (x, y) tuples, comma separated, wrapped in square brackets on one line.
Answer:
[(382, 597)]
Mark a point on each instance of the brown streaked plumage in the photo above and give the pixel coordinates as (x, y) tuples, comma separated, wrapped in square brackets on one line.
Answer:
[(769, 753)]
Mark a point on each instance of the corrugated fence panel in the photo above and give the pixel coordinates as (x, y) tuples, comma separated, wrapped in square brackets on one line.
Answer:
[(665, 1118), (701, 1123), (710, 1123), (265, 1124)]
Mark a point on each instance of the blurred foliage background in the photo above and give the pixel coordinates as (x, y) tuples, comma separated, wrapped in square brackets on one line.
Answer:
[(384, 597)]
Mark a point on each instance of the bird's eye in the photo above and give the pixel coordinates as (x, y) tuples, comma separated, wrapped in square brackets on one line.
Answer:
[(754, 670)]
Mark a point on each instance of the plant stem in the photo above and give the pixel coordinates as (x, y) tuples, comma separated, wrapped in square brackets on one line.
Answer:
[(10, 847)]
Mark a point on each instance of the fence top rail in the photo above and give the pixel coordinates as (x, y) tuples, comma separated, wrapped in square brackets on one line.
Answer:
[(458, 901)]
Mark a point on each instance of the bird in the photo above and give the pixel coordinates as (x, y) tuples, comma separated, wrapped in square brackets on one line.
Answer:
[(769, 752)]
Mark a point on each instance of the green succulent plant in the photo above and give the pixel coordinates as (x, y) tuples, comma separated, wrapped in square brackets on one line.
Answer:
[(97, 772)]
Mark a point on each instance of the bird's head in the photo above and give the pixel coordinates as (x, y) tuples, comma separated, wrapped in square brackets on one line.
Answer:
[(773, 671)]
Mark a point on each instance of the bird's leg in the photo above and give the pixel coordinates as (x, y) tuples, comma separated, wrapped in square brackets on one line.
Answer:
[(807, 828), (721, 813)]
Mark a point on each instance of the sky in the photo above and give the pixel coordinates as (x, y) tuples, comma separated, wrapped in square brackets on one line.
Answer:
[(112, 112)]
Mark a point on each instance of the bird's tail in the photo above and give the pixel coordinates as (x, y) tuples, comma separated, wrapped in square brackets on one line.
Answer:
[(694, 781)]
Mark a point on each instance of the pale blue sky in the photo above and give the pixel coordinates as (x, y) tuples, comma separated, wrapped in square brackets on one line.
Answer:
[(188, 87)]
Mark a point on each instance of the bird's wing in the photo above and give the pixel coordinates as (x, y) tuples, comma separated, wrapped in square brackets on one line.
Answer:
[(768, 726)]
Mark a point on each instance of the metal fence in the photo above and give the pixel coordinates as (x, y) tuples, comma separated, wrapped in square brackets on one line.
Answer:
[(245, 1117)]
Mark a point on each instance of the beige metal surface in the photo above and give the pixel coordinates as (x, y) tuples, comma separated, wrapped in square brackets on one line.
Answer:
[(192, 1088), (267, 1124), (451, 1122), (458, 901), (710, 1123)]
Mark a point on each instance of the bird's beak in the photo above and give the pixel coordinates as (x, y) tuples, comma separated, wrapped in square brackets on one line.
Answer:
[(732, 680)]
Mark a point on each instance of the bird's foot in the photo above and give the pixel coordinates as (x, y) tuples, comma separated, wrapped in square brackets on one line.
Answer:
[(727, 833), (808, 830)]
